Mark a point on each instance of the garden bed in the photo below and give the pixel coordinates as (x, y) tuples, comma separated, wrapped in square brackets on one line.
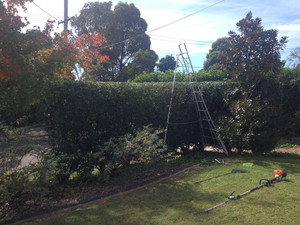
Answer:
[(182, 200), (74, 196)]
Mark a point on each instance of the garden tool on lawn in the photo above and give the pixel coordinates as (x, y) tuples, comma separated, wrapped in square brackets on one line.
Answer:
[(279, 175), (233, 171)]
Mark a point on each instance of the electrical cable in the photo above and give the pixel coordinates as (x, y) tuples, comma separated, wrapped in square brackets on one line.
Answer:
[(45, 11), (180, 19), (186, 41), (161, 27), (174, 38)]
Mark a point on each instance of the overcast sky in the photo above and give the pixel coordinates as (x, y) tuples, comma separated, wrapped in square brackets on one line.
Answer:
[(197, 31)]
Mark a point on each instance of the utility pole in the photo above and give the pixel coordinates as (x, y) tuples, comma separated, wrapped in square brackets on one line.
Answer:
[(66, 17)]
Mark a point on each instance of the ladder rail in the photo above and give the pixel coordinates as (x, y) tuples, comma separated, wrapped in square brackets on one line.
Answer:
[(190, 62), (204, 117), (171, 101), (213, 131), (200, 104)]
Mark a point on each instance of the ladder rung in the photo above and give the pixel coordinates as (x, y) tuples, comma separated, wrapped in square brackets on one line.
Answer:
[(215, 138), (206, 120), (206, 128)]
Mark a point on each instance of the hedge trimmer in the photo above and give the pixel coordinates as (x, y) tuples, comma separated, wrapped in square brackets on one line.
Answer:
[(279, 175)]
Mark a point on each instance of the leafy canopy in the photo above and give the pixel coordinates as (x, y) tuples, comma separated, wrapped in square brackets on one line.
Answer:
[(143, 61), (252, 59), (252, 54), (124, 30), (29, 58), (166, 63), (213, 57), (294, 57)]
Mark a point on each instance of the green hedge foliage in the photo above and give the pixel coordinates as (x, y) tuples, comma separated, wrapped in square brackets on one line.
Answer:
[(83, 115), (289, 99), (213, 75)]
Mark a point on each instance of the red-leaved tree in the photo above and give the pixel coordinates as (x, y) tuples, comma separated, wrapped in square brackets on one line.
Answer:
[(29, 58)]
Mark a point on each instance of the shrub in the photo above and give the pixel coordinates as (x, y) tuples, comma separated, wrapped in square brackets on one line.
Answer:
[(34, 180), (144, 146), (252, 125)]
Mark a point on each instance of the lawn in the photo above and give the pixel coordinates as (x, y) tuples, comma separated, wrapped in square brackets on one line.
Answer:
[(181, 200)]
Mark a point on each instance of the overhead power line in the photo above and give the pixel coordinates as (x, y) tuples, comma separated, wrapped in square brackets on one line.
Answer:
[(180, 19), (182, 39), (185, 41), (161, 27), (45, 11)]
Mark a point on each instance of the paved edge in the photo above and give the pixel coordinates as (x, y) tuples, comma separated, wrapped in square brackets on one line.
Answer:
[(98, 201)]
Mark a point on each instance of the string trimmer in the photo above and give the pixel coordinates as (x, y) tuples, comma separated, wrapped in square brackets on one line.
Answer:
[(278, 176)]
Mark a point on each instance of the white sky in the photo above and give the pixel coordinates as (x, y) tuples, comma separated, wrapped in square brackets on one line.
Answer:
[(197, 31)]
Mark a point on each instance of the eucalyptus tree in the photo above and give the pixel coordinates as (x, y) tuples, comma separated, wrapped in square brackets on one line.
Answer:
[(166, 63), (294, 57), (213, 56), (125, 32), (143, 61)]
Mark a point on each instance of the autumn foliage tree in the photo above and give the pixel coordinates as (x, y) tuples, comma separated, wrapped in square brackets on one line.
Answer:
[(64, 55), (29, 58)]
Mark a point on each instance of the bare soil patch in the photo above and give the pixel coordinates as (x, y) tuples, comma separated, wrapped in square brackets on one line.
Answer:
[(290, 150)]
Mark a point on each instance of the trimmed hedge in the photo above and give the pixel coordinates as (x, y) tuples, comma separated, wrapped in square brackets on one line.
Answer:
[(83, 115), (167, 76)]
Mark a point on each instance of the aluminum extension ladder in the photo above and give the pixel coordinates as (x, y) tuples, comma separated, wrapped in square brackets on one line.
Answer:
[(208, 131)]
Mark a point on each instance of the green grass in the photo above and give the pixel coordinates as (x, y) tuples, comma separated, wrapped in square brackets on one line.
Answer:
[(293, 142), (288, 146), (180, 201)]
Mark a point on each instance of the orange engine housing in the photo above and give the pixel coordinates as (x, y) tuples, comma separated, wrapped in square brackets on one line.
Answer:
[(281, 173)]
